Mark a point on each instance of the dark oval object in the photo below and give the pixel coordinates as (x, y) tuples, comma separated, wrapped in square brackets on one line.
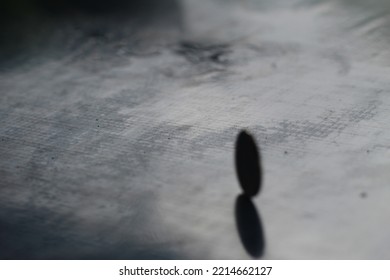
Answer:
[(248, 164)]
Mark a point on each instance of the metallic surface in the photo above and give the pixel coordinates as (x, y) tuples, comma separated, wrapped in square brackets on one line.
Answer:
[(117, 132)]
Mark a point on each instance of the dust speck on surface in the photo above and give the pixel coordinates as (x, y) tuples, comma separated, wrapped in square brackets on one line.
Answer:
[(198, 52)]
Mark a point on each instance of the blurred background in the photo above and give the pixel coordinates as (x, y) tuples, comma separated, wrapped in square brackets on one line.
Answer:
[(118, 122)]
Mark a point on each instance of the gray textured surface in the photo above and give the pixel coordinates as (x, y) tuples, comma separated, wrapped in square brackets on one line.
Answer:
[(117, 134)]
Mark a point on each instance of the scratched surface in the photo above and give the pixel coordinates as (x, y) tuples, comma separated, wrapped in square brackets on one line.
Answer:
[(117, 132)]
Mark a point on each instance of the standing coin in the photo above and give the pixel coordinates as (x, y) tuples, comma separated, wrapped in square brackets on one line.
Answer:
[(248, 164)]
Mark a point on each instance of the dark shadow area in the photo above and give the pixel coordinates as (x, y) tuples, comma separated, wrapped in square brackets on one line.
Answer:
[(11, 9), (34, 30), (249, 226), (41, 234), (248, 165), (98, 6)]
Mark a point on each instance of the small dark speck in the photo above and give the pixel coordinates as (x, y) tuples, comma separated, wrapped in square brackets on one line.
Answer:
[(285, 152), (2, 139), (52, 157), (97, 119), (98, 125), (368, 151), (169, 138), (216, 57), (363, 194)]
